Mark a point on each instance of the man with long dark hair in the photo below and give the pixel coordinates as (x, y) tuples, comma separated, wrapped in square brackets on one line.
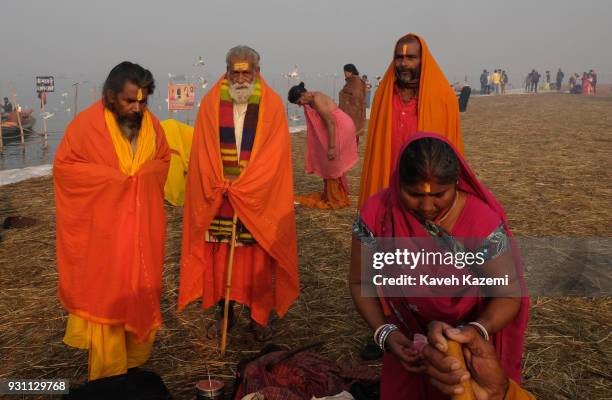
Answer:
[(109, 175)]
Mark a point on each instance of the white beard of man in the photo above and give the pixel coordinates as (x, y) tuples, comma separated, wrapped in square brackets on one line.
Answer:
[(240, 92)]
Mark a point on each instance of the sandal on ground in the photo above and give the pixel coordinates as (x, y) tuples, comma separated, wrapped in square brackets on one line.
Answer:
[(213, 330), (262, 333)]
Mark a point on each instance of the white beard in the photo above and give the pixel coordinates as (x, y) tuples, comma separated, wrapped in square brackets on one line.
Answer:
[(240, 92)]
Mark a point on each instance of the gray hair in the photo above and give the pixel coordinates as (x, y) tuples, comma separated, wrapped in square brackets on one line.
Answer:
[(243, 53)]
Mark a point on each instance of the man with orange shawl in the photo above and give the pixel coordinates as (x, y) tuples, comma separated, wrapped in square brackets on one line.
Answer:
[(109, 174), (413, 95), (240, 172)]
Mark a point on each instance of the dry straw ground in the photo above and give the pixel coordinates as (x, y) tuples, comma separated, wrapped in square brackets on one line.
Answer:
[(545, 157)]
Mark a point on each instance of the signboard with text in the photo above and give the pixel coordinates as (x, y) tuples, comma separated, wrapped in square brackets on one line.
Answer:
[(45, 84)]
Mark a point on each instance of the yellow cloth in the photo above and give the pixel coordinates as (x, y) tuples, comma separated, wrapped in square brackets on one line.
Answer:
[(515, 392), (179, 137), (112, 350), (145, 150)]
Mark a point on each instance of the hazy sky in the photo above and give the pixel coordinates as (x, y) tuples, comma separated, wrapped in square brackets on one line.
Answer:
[(84, 39)]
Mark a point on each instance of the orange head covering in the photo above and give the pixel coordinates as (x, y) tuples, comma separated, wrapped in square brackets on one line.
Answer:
[(111, 226), (262, 195), (438, 111)]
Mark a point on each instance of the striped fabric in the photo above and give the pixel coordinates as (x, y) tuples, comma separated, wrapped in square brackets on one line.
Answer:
[(233, 165)]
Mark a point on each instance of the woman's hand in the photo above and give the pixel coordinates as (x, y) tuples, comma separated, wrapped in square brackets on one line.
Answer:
[(436, 335), (398, 344), (488, 379)]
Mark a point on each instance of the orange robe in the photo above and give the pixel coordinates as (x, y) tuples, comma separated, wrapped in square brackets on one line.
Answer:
[(110, 238), (335, 195), (438, 112), (110, 227), (515, 392), (265, 275)]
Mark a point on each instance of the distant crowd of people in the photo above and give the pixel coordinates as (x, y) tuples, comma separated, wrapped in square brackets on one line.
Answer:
[(532, 81), (587, 84), (577, 85), (494, 82)]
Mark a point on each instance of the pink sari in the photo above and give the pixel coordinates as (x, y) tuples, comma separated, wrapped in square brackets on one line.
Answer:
[(386, 216), (587, 86), (317, 141)]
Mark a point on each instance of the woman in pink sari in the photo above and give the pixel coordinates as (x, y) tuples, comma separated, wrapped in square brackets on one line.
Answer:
[(434, 196), (331, 147), (587, 84)]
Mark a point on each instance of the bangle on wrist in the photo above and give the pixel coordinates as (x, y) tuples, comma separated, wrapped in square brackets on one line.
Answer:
[(481, 329), (381, 334), (377, 332)]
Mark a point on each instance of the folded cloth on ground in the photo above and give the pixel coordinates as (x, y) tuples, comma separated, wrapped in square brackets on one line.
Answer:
[(300, 377), (344, 395)]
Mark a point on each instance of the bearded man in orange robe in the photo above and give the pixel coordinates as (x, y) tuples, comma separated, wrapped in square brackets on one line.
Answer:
[(109, 174), (240, 167), (413, 96)]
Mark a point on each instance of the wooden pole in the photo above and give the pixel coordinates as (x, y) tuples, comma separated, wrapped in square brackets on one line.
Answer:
[(1, 141), (454, 350), (43, 98), (76, 99), (16, 107), (287, 99), (189, 111), (170, 112), (228, 284)]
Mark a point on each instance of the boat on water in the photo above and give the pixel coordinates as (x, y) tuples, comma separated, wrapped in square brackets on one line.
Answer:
[(10, 123)]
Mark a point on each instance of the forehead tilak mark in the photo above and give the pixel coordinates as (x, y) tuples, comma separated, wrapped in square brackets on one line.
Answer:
[(241, 66)]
